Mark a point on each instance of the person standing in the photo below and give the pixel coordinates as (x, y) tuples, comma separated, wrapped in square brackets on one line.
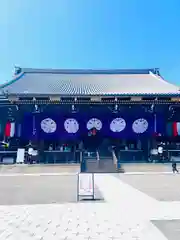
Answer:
[(160, 152), (154, 155), (174, 167), (50, 147), (30, 152)]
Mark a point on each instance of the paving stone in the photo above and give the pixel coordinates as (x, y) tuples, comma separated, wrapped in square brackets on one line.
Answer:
[(115, 219), (165, 188)]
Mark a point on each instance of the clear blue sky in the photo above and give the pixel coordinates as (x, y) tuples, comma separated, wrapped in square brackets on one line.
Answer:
[(90, 34)]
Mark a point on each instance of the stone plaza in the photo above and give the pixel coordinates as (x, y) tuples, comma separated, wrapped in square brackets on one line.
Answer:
[(44, 206)]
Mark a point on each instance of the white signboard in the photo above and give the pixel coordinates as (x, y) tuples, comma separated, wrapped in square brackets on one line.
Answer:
[(86, 184), (20, 155)]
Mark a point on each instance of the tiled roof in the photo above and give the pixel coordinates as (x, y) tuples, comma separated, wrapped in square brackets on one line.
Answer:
[(89, 82)]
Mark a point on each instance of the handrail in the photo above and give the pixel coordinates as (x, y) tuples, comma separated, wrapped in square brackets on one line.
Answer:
[(114, 158), (97, 156)]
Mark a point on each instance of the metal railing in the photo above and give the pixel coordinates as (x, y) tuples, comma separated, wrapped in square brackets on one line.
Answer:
[(115, 160)]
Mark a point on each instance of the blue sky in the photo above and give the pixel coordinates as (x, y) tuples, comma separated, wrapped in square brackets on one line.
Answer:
[(90, 34)]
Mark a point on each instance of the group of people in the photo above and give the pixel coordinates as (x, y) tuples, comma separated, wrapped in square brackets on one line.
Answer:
[(174, 164), (161, 151), (160, 155)]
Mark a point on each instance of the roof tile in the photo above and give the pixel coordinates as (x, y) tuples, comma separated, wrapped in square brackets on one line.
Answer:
[(90, 83)]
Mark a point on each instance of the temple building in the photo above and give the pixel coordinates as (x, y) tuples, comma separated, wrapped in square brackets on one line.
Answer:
[(64, 112)]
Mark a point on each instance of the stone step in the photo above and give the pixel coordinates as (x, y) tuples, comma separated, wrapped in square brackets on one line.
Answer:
[(105, 165), (40, 168), (146, 167)]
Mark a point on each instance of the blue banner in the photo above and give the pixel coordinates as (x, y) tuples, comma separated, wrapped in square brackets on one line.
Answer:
[(78, 125)]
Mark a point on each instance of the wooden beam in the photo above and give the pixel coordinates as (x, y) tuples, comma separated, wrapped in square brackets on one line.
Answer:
[(95, 99), (136, 98), (177, 99), (55, 98)]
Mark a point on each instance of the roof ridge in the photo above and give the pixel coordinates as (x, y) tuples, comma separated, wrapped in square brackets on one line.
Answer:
[(90, 71)]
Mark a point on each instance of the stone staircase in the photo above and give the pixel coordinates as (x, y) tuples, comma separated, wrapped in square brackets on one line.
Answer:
[(104, 165)]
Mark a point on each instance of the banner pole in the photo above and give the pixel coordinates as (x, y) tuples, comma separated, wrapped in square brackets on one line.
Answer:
[(155, 123), (78, 188)]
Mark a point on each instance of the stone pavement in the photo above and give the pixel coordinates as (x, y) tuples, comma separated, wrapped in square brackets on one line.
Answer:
[(62, 169), (126, 214), (31, 190), (163, 187), (40, 169)]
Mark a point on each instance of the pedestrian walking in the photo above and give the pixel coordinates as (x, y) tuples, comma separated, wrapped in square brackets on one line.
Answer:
[(174, 167)]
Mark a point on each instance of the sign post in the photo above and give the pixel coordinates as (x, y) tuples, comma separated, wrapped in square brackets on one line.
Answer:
[(85, 186), (20, 155)]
